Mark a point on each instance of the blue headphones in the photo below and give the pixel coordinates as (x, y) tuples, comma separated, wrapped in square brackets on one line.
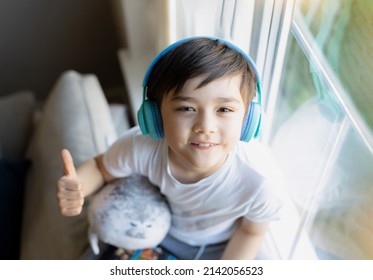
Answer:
[(149, 115)]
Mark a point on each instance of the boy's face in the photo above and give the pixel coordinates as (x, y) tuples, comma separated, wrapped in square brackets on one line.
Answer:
[(202, 125)]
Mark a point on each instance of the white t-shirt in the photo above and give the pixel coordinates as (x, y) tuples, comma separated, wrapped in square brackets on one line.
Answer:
[(204, 212)]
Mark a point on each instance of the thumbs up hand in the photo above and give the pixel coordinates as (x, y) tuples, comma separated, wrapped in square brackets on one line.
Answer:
[(70, 192)]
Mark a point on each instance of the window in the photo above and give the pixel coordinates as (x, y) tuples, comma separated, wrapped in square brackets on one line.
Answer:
[(321, 127)]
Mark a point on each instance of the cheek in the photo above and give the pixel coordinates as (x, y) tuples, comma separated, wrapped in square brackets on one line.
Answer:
[(234, 129), (174, 129), (234, 124), (171, 124)]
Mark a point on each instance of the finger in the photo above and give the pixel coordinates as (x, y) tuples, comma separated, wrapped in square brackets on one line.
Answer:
[(65, 183), (68, 163), (64, 193), (71, 203), (71, 211)]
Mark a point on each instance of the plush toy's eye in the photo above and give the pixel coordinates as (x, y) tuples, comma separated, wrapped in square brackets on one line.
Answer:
[(133, 224), (149, 226)]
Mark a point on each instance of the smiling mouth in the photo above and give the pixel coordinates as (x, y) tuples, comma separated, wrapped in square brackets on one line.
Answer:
[(204, 145)]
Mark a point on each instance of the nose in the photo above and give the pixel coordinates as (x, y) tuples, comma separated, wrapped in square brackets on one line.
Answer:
[(205, 123)]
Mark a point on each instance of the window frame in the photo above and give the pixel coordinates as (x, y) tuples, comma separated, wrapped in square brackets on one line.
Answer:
[(271, 59)]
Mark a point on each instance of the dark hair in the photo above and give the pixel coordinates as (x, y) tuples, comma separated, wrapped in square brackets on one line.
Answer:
[(199, 57)]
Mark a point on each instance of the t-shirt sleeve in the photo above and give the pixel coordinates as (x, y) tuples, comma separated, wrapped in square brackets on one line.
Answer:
[(267, 201), (118, 157), (266, 205), (131, 153)]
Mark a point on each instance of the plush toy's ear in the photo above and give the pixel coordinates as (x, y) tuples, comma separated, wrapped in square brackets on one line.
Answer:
[(128, 213), (93, 241)]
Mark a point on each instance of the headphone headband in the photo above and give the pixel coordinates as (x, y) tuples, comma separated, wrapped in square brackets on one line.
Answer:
[(229, 44)]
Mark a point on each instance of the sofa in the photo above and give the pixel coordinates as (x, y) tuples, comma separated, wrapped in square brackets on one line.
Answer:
[(76, 116)]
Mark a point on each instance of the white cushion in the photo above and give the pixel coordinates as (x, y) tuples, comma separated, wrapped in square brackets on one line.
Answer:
[(119, 114), (76, 116)]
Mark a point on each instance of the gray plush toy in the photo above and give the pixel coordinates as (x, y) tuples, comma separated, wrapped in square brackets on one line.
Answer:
[(128, 213)]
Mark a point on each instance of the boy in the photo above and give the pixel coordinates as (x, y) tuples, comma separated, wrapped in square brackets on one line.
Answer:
[(198, 93)]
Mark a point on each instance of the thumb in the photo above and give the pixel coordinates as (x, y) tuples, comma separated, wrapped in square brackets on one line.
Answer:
[(68, 163)]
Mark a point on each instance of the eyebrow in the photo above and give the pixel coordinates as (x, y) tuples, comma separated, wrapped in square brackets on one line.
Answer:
[(228, 99), (190, 99), (182, 98)]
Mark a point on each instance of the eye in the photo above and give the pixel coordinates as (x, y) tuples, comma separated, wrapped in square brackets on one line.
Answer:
[(225, 110), (133, 224), (185, 109)]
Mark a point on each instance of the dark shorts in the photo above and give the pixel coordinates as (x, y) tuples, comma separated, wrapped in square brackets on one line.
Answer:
[(184, 251)]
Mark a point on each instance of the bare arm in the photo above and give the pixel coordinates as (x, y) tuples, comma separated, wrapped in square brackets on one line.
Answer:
[(246, 241), (76, 184)]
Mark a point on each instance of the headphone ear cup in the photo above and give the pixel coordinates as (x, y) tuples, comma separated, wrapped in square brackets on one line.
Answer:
[(150, 120), (141, 120), (251, 125)]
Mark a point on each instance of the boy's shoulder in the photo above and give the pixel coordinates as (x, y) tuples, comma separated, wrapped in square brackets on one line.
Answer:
[(258, 156), (133, 152), (135, 136), (133, 131)]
